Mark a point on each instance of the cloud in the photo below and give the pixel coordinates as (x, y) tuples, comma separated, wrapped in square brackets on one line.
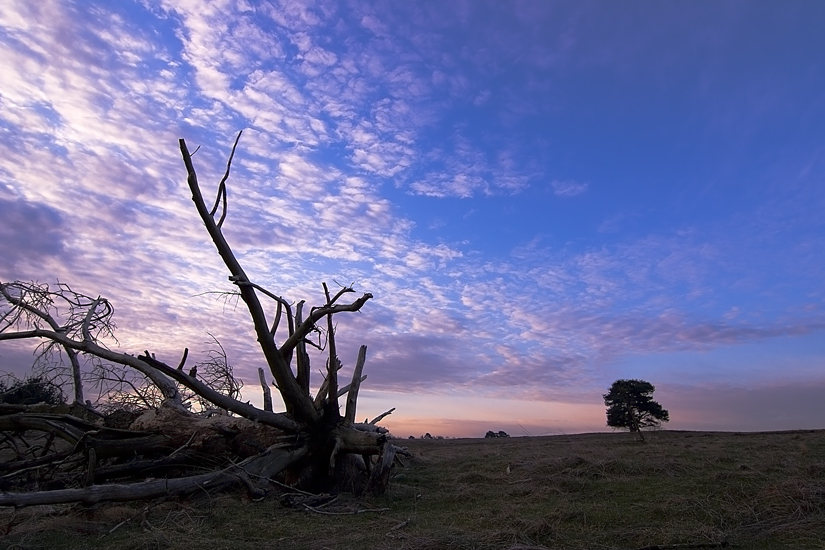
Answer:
[(568, 188), (29, 233), (16, 358), (482, 98), (348, 112), (462, 169), (777, 406)]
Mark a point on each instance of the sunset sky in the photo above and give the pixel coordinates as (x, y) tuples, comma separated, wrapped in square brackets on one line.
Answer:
[(542, 196)]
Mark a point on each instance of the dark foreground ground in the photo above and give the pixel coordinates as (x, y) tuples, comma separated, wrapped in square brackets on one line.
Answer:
[(591, 491)]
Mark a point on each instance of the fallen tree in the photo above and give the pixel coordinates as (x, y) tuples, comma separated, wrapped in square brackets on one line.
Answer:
[(179, 430)]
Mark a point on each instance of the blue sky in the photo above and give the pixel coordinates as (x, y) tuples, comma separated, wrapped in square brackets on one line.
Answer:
[(542, 196)]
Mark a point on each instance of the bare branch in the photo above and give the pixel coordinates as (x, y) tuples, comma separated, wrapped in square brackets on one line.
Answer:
[(352, 398), (222, 186), (217, 373), (35, 303), (87, 336), (223, 401), (343, 390), (381, 416), (369, 428), (302, 358), (267, 392), (288, 385), (321, 396), (122, 388), (333, 364), (162, 382), (316, 315), (278, 299), (340, 293), (183, 359), (277, 320), (21, 303)]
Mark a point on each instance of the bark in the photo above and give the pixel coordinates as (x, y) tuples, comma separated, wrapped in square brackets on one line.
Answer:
[(21, 465), (333, 364), (157, 466), (262, 466), (352, 397), (301, 356), (266, 391), (380, 478), (107, 441)]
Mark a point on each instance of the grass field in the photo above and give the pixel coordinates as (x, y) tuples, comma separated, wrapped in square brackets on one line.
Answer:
[(593, 491)]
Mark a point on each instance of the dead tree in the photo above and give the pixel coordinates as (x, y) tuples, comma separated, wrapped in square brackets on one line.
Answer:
[(308, 445)]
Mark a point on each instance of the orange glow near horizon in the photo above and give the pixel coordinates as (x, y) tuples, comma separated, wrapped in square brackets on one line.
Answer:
[(454, 416)]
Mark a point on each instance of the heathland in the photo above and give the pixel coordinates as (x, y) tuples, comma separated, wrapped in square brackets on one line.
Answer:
[(589, 491)]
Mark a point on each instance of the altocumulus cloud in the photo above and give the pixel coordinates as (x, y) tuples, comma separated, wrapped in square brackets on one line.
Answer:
[(29, 232), (364, 126)]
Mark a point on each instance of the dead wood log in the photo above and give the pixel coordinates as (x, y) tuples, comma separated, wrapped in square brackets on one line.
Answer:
[(262, 466), (380, 477), (300, 444), (19, 466), (136, 469), (106, 441)]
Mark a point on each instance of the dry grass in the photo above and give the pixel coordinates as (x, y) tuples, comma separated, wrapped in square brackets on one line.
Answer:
[(764, 490)]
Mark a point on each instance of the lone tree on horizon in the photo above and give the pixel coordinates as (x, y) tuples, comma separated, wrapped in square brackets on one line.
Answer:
[(630, 405)]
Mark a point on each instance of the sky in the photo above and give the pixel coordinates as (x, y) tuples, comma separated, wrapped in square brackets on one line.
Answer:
[(543, 197)]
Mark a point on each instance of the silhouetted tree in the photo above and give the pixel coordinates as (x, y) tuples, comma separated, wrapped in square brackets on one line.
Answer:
[(630, 405)]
